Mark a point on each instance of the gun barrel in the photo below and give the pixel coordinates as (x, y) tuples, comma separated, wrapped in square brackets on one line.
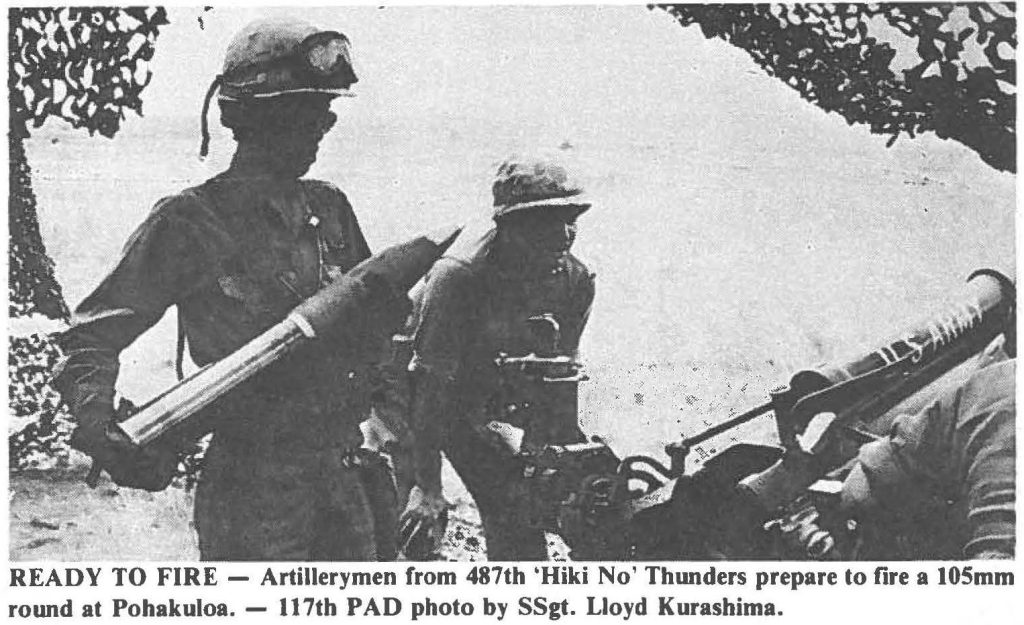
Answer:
[(875, 382), (966, 324), (395, 270), (866, 388)]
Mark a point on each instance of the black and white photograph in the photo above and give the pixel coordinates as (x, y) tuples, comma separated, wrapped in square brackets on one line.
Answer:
[(587, 283)]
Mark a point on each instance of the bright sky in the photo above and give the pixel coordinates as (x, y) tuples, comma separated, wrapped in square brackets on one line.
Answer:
[(733, 222), (567, 66)]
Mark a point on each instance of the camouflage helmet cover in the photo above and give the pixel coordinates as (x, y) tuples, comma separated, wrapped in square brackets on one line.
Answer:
[(274, 57), (531, 183), (277, 56)]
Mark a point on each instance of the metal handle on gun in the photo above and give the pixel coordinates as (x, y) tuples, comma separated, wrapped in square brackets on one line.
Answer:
[(679, 450)]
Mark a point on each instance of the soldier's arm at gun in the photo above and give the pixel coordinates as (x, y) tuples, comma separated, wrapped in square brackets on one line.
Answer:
[(439, 346), (962, 448)]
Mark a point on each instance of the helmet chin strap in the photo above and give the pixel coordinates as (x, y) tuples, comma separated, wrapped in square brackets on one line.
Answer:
[(204, 147)]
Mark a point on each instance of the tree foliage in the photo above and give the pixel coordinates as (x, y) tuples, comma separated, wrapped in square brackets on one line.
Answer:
[(961, 85), (31, 285), (85, 66)]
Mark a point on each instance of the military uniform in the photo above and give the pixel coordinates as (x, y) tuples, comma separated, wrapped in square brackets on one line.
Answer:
[(944, 480), (283, 479), (509, 288), (468, 315), (235, 254)]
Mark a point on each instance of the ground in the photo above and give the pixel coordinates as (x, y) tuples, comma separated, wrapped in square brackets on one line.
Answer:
[(105, 523), (114, 523)]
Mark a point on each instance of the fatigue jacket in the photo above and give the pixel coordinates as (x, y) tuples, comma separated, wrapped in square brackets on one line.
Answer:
[(959, 451), (469, 313), (234, 254)]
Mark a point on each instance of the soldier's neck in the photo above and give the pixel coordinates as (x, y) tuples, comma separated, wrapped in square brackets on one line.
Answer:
[(256, 160)]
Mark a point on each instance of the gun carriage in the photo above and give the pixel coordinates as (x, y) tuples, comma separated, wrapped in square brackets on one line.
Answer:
[(751, 501), (759, 501)]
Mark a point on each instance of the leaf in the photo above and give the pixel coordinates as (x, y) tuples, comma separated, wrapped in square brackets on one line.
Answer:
[(830, 56), (85, 48)]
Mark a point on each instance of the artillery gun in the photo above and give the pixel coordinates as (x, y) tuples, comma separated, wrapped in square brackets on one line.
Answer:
[(756, 501), (751, 501)]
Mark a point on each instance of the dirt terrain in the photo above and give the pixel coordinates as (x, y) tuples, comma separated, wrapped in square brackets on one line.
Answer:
[(108, 523), (54, 516)]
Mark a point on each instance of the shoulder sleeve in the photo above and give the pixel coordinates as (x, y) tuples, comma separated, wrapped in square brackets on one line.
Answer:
[(984, 454), (963, 447), (443, 330), (162, 262)]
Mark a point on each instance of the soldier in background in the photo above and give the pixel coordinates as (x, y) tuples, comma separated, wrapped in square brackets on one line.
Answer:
[(480, 301), (235, 254), (943, 483)]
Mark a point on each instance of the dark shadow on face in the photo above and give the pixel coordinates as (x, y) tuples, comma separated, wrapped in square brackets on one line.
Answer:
[(537, 239), (288, 130)]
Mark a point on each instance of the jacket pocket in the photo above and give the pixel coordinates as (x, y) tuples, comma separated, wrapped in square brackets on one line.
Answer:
[(246, 292)]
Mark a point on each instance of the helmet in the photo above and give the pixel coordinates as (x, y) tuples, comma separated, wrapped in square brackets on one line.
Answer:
[(530, 183), (274, 57)]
